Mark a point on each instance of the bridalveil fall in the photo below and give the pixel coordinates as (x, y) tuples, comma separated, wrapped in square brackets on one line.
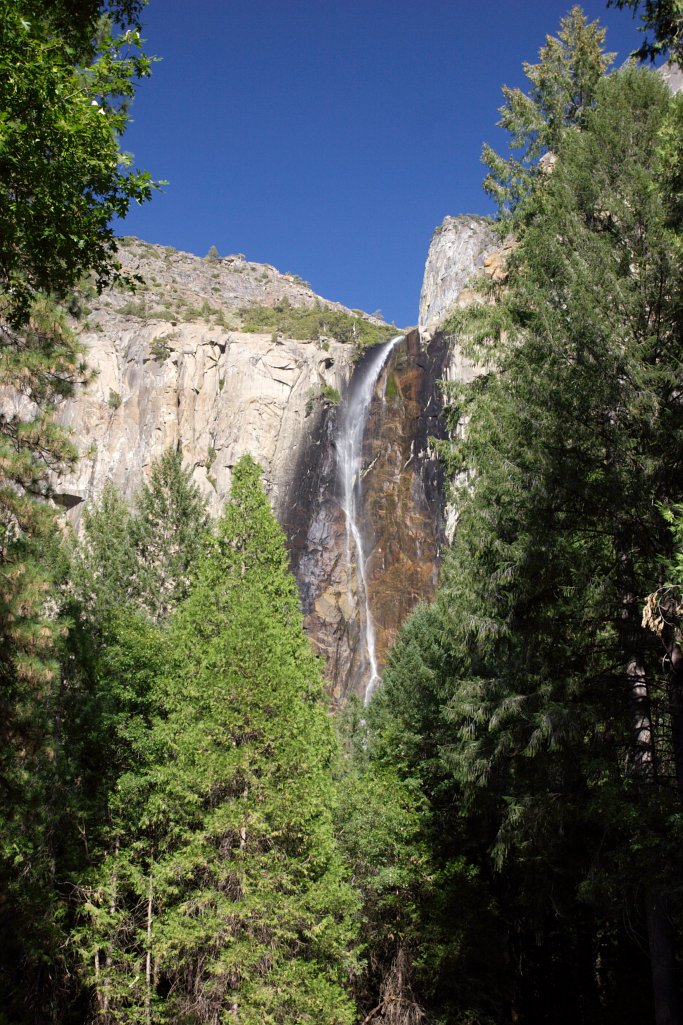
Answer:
[(365, 517)]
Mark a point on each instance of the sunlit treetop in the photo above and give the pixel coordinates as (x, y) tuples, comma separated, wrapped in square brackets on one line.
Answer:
[(561, 91), (65, 84)]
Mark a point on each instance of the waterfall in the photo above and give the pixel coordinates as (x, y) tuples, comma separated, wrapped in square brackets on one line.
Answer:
[(349, 455)]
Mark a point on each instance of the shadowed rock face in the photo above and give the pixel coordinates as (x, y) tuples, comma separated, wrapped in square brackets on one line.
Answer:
[(403, 488), (401, 517)]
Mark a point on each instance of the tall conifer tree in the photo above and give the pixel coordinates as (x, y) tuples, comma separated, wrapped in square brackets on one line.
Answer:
[(561, 92), (548, 713), (234, 900)]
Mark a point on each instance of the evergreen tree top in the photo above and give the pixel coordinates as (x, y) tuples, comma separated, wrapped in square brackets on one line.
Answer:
[(562, 90)]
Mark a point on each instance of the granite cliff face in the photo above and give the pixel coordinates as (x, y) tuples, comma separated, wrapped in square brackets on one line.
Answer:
[(459, 249), (175, 368), (215, 396), (673, 76)]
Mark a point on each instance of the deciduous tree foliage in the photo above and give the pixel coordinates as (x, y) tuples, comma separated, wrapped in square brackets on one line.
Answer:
[(63, 176)]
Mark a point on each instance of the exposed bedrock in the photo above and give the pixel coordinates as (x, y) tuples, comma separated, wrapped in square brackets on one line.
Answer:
[(460, 248), (175, 368), (216, 395), (401, 515), (172, 367)]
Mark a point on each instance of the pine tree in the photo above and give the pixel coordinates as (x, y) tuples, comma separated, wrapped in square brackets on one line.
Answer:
[(664, 19), (104, 569), (127, 572), (223, 892), (460, 912), (72, 729), (140, 558), (562, 91), (587, 442), (168, 531), (38, 367), (546, 722), (379, 828)]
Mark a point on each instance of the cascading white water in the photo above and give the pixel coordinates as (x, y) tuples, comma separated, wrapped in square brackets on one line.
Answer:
[(349, 454)]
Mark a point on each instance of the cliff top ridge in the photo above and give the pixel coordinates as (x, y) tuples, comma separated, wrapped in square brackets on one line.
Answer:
[(181, 286)]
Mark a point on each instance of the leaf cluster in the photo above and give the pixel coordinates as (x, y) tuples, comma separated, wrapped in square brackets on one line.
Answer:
[(63, 177)]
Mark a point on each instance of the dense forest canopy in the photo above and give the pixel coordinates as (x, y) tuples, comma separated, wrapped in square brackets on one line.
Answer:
[(186, 835)]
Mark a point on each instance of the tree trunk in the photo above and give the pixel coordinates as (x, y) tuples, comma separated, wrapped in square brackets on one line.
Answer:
[(148, 957), (661, 939), (676, 707), (103, 996), (659, 929), (633, 646)]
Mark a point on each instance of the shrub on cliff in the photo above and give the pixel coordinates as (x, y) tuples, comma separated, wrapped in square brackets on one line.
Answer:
[(306, 322)]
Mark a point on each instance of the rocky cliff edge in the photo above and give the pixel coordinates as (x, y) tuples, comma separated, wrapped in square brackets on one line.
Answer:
[(175, 366), (460, 248)]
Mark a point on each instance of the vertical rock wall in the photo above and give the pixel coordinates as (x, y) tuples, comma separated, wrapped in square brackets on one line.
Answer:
[(458, 250), (402, 517), (214, 394), (403, 488)]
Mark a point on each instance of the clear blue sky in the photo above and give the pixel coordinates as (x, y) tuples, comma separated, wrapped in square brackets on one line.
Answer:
[(330, 139)]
